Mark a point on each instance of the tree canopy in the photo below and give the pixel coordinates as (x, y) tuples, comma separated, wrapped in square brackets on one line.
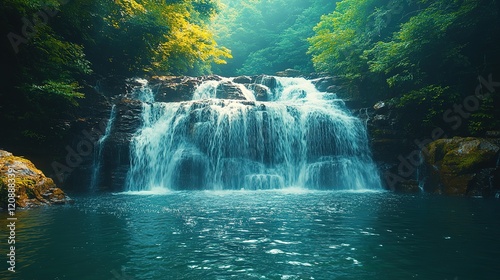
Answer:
[(427, 53), (52, 48), (266, 36)]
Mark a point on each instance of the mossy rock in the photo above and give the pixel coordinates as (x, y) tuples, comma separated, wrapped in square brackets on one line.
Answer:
[(462, 155), (31, 185), (455, 161)]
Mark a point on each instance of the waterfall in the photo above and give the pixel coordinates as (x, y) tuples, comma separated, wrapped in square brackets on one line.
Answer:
[(97, 163), (300, 137)]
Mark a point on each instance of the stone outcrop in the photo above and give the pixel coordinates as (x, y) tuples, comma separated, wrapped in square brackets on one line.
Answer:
[(116, 148), (462, 166), (32, 188), (289, 73), (174, 89), (265, 80), (262, 93), (389, 145), (229, 90), (335, 85), (457, 166), (325, 83), (243, 80)]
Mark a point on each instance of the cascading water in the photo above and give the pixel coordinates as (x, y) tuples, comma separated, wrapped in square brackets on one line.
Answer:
[(301, 137), (96, 166)]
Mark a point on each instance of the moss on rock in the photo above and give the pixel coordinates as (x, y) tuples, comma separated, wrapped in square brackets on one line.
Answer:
[(31, 186), (455, 161)]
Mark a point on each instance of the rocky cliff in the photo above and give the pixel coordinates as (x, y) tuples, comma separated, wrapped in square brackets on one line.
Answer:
[(125, 95), (436, 164), (463, 166)]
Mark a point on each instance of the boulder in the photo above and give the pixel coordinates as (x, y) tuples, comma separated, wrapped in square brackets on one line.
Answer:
[(174, 89), (325, 83), (289, 73), (32, 188), (262, 93), (210, 78), (268, 81), (456, 165), (228, 90), (381, 107), (242, 80)]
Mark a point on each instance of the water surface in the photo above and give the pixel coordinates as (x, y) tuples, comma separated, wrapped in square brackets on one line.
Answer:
[(287, 234)]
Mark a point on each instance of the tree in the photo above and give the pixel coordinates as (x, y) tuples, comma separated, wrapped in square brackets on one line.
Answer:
[(418, 51), (54, 47), (268, 36)]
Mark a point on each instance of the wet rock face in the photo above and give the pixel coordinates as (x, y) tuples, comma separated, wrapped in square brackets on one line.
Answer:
[(262, 93), (32, 188), (174, 89), (461, 166), (116, 150), (458, 166), (265, 80), (323, 84), (229, 90), (388, 143), (289, 73), (243, 80)]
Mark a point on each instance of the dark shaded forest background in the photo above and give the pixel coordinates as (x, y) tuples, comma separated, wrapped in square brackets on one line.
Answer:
[(424, 57)]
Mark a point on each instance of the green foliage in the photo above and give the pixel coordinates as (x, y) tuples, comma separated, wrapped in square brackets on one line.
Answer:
[(421, 49), (401, 42), (341, 38), (73, 42), (145, 36), (67, 91), (486, 118), (421, 42), (426, 105), (268, 36)]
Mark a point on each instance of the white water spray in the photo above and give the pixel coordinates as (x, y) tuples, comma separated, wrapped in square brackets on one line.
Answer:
[(301, 138)]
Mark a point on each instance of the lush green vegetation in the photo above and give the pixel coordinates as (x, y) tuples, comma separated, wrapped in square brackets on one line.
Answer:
[(54, 48), (426, 54), (266, 36)]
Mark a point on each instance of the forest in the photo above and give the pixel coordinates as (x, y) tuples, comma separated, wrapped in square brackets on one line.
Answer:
[(250, 139), (424, 57)]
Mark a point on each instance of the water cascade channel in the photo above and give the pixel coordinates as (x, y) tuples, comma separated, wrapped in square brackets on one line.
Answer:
[(300, 137)]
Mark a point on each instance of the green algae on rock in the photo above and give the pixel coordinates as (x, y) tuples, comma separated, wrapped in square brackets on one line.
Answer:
[(32, 187), (453, 163)]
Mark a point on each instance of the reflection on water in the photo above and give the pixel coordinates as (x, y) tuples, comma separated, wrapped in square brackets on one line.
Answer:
[(292, 234)]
